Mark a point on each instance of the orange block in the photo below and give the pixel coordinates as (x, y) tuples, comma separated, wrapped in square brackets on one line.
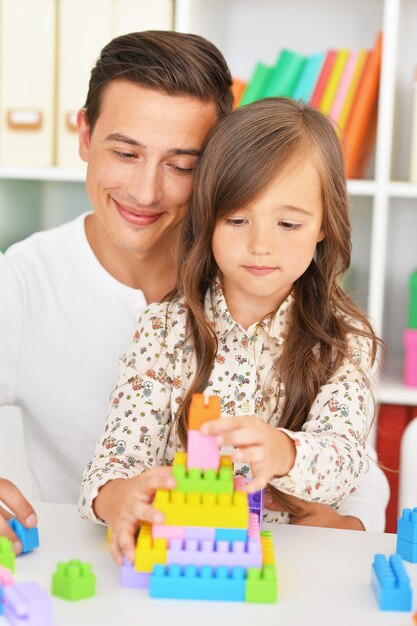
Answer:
[(203, 409)]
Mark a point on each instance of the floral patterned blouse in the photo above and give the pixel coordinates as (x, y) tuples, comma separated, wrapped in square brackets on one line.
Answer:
[(141, 426)]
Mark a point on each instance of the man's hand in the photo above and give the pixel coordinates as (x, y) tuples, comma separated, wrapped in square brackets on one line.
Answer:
[(19, 507), (315, 514)]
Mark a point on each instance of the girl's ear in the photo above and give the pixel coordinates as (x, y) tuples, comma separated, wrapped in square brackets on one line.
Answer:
[(321, 235)]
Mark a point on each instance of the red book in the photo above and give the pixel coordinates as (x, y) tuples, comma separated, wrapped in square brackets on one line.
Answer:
[(392, 421), (323, 78), (359, 135)]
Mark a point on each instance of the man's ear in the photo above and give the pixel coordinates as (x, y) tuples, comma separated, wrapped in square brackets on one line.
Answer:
[(83, 134)]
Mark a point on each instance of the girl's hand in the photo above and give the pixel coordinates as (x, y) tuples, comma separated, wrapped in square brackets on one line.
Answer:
[(128, 502), (269, 452)]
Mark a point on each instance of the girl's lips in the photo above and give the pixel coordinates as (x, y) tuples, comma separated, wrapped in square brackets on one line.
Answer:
[(259, 271), (137, 219)]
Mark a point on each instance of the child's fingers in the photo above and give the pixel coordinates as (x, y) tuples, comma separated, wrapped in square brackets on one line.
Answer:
[(153, 480), (257, 483), (126, 544), (250, 454), (242, 437), (217, 427), (141, 511)]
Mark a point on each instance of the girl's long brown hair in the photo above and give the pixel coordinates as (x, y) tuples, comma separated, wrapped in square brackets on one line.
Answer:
[(244, 153)]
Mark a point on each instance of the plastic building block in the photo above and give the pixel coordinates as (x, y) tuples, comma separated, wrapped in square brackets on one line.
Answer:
[(262, 585), (26, 604), (205, 584), (6, 579), (7, 556), (130, 578), (207, 509), (28, 537), (73, 580), (198, 481), (231, 534), (391, 583), (149, 552), (109, 534), (407, 550), (168, 532), (267, 548), (256, 503), (407, 525), (215, 553), (202, 451), (203, 409), (253, 527)]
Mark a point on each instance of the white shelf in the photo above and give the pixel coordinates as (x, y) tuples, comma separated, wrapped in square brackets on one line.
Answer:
[(402, 189), (391, 388), (43, 174), (361, 187)]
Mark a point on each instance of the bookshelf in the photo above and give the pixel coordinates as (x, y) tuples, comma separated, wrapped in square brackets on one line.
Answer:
[(384, 206)]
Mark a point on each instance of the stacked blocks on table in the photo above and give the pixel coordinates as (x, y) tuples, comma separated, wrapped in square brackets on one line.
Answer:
[(73, 580), (407, 535), (7, 556), (6, 580), (28, 537), (210, 546), (26, 604), (391, 583)]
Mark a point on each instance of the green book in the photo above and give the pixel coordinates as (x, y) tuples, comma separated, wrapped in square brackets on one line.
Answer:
[(412, 306), (285, 74), (256, 84)]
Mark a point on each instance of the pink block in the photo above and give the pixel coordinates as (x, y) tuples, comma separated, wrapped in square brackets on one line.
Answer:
[(6, 579), (410, 357), (253, 527), (202, 451), (168, 532)]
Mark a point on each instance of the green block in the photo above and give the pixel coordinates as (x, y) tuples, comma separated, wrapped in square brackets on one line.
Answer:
[(73, 580), (7, 556), (261, 585), (412, 307), (210, 481)]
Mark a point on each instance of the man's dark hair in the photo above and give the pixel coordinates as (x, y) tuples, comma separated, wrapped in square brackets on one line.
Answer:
[(170, 62)]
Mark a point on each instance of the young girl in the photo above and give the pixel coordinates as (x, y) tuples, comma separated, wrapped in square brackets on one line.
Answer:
[(258, 318)]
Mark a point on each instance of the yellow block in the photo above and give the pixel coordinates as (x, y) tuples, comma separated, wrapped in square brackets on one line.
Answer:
[(149, 552), (268, 557), (203, 509)]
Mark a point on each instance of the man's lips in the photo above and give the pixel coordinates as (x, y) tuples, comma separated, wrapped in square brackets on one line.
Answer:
[(259, 270), (137, 217)]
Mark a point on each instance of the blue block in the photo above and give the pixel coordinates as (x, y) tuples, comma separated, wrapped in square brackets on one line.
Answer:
[(29, 537), (391, 583), (231, 534), (190, 584), (407, 525), (407, 550)]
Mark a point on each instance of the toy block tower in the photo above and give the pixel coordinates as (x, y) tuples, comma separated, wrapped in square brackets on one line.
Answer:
[(210, 546)]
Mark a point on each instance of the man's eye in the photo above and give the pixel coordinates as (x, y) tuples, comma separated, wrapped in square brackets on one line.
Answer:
[(183, 170), (127, 156)]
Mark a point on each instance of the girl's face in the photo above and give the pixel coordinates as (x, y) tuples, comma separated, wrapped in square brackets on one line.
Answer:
[(264, 247)]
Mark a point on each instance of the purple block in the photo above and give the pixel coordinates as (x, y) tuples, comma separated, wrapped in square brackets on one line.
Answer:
[(26, 604), (215, 553), (200, 532), (130, 578)]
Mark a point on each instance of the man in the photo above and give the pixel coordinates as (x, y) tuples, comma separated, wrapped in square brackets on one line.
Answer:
[(70, 297)]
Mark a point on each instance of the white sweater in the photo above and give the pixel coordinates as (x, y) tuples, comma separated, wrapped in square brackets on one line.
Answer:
[(64, 323)]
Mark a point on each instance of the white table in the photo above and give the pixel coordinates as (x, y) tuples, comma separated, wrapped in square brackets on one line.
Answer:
[(324, 579)]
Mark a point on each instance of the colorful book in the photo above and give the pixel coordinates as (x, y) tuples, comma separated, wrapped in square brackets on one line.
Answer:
[(343, 86), (308, 78), (323, 78), (256, 84), (285, 74), (351, 89), (334, 80), (238, 87), (360, 129)]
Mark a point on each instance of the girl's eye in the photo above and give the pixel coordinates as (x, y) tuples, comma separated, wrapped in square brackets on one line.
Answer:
[(290, 225), (235, 221)]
